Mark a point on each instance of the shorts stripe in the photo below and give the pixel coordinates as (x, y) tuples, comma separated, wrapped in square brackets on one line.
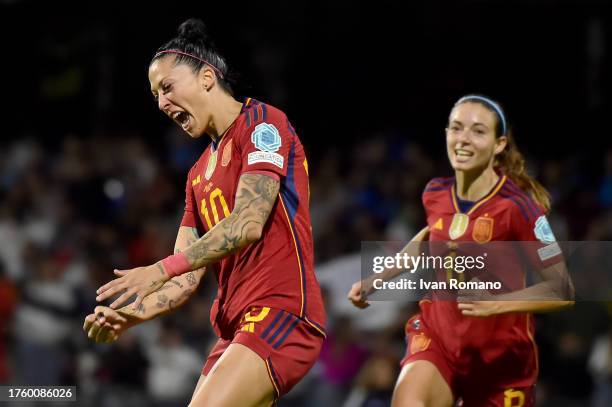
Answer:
[(316, 326), (273, 377), (280, 328), (287, 332), (271, 326)]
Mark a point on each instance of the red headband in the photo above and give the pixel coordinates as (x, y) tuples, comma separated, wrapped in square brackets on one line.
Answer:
[(173, 51)]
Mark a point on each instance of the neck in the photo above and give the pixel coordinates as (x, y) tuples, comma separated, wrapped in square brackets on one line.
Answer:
[(225, 110), (474, 185)]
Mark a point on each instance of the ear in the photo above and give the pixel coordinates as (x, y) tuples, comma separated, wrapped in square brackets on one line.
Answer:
[(207, 77), (500, 144)]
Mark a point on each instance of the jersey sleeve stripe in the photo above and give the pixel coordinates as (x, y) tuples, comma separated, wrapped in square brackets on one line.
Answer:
[(264, 112), (517, 203), (436, 188), (248, 118), (255, 114), (437, 182), (526, 198)]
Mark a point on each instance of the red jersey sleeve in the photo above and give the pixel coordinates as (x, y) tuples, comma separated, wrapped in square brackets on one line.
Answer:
[(540, 244), (189, 215), (264, 145)]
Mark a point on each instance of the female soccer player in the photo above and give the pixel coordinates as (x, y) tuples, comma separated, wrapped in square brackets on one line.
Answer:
[(480, 350), (246, 219)]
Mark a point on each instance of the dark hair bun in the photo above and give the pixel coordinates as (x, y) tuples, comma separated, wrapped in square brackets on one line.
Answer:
[(193, 30)]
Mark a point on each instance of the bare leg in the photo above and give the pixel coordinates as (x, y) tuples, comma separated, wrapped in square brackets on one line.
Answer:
[(239, 378), (420, 384)]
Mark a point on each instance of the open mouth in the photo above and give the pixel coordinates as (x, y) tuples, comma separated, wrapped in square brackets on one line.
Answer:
[(463, 153), (182, 119)]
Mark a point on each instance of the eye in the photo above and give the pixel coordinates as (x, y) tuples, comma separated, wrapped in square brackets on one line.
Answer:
[(480, 132), (166, 87), (454, 128)]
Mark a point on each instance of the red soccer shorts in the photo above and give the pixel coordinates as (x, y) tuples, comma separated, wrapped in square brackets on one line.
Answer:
[(289, 345), (473, 386)]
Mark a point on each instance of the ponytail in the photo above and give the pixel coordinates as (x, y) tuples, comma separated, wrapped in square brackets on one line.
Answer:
[(512, 163)]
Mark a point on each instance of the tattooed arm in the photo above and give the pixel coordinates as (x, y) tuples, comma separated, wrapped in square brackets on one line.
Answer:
[(176, 291), (106, 324), (255, 198)]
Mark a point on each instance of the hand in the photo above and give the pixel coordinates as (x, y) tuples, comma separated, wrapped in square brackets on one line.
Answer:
[(141, 281), (105, 325), (357, 296), (477, 303), (479, 308)]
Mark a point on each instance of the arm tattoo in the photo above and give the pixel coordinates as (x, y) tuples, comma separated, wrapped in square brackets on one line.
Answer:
[(161, 300), (254, 202), (161, 269), (191, 279), (176, 283)]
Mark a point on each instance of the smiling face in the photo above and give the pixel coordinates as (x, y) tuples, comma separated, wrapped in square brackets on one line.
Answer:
[(471, 141), (182, 94)]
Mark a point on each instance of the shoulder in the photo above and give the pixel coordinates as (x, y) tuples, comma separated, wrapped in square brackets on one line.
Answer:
[(439, 184), (256, 112), (520, 202), (437, 191)]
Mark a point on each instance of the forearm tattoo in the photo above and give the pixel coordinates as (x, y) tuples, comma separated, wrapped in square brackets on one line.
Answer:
[(255, 199)]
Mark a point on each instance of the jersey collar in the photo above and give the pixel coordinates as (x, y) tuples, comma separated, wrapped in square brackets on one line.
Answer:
[(481, 201)]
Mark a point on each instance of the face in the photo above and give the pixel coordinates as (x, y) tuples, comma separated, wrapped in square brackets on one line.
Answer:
[(182, 94), (470, 137)]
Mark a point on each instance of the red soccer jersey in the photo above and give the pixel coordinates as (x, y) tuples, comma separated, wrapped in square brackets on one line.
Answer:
[(505, 214), (278, 270)]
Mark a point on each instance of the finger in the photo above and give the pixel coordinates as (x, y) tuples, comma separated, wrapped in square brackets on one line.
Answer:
[(89, 319), (137, 303), (110, 285), (100, 318), (112, 337), (110, 314), (465, 306), (93, 331), (121, 272), (469, 313), (122, 299), (101, 335), (118, 287)]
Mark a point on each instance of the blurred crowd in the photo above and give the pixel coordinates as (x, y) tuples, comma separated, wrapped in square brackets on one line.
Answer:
[(73, 210)]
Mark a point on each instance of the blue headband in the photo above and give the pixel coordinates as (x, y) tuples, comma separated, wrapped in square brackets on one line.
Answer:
[(491, 104)]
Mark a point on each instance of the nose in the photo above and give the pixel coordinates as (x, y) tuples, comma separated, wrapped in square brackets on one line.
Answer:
[(462, 136), (163, 103)]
